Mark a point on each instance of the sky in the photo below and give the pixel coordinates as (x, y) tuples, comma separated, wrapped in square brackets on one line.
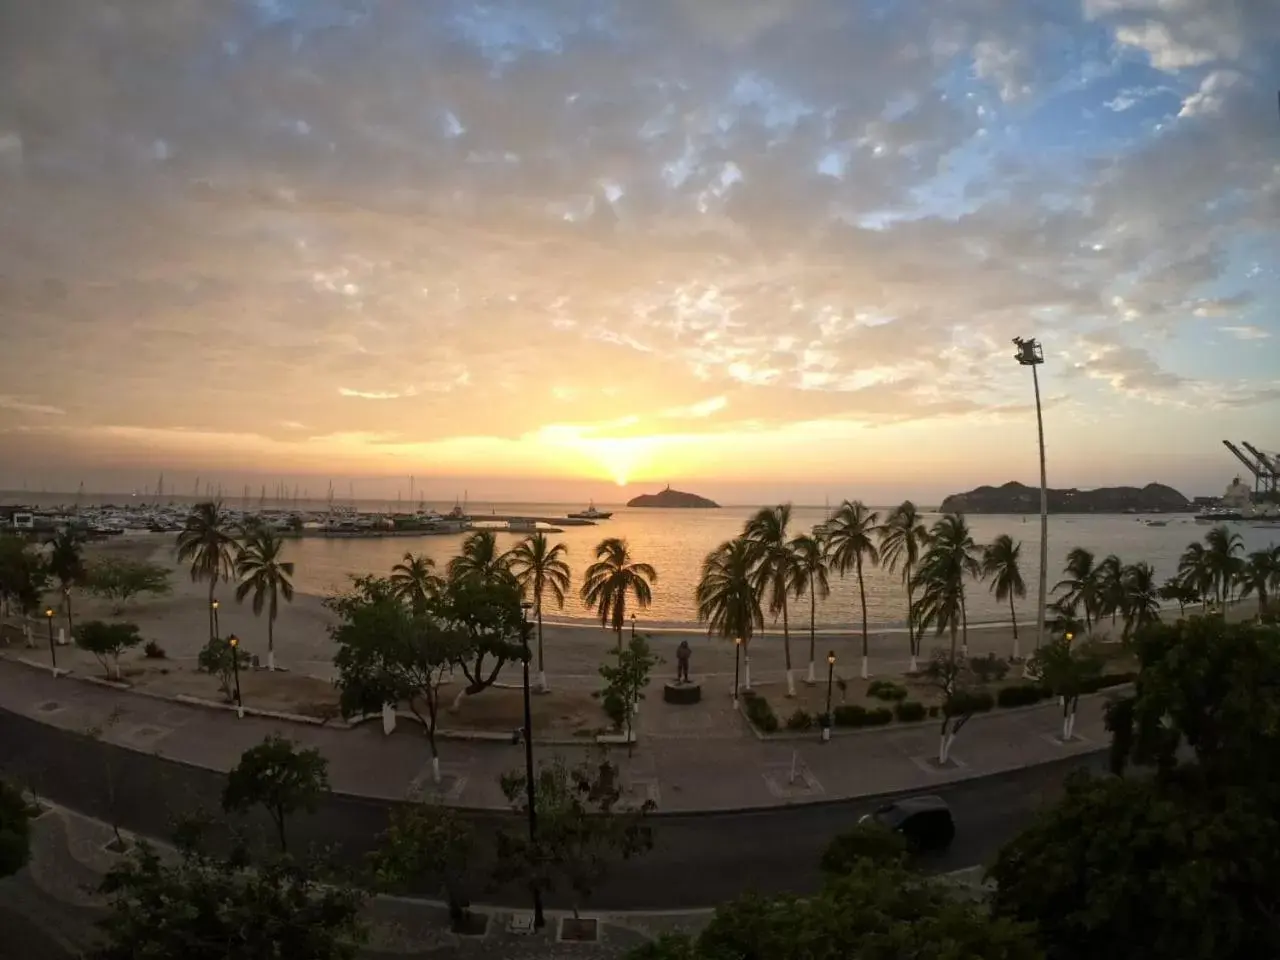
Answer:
[(559, 249)]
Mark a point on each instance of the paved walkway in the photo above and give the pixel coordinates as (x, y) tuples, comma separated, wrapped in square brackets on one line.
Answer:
[(686, 760)]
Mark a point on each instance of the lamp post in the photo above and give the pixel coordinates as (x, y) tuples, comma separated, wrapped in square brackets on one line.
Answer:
[(633, 626), (53, 653), (737, 659), (213, 605), (539, 921), (234, 642), (826, 717), (1030, 355)]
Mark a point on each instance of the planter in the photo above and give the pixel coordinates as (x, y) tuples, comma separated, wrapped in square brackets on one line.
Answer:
[(681, 693), (578, 930), (470, 924)]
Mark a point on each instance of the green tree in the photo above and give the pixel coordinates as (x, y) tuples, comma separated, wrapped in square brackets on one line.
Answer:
[(267, 577), (903, 539), (120, 579), (1222, 553), (625, 680), (582, 827), (280, 778), (480, 559), (67, 566), (851, 546), (728, 596), (1194, 573), (951, 558), (389, 653), (809, 576), (1261, 575), (23, 576), (220, 659), (486, 617), (414, 582), (871, 912), (428, 847), (766, 531), (107, 641), (15, 830), (1066, 668), (206, 544), (1175, 590), (1001, 564), (613, 577), (1081, 587), (1141, 603), (541, 571), (201, 908), (953, 679), (1111, 592)]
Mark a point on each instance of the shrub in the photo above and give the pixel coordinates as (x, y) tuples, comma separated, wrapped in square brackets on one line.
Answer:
[(866, 841), (879, 717), (971, 701), (614, 707), (153, 651), (933, 710), (760, 713), (886, 690), (1021, 695), (988, 668), (799, 721), (107, 641), (909, 711), (850, 715)]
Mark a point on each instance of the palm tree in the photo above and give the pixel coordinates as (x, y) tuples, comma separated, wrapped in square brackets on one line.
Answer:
[(809, 575), (952, 556), (728, 595), (263, 573), (413, 582), (1193, 571), (207, 544), (1000, 562), (849, 547), (1141, 604), (539, 568), (611, 578), (1261, 575), (480, 559), (1222, 558), (66, 564), (1081, 583), (767, 533), (1110, 576), (902, 539)]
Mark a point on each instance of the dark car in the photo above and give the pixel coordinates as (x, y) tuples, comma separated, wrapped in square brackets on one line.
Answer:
[(924, 822)]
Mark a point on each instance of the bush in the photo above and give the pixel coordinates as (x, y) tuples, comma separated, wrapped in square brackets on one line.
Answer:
[(909, 711), (153, 651), (934, 711), (614, 707), (1021, 695), (886, 690), (799, 721), (988, 668), (107, 641), (866, 841), (971, 701), (760, 713), (850, 715), (879, 717)]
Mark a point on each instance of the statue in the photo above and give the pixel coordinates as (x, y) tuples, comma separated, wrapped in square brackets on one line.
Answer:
[(682, 662)]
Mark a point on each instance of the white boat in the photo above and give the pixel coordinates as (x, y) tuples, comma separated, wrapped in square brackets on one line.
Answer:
[(591, 513)]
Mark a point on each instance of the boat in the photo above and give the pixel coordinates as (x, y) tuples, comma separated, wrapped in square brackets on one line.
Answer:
[(1219, 515), (1156, 523), (591, 513)]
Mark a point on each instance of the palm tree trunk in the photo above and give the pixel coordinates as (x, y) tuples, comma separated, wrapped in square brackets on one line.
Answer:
[(1014, 616), (911, 630), (542, 671), (862, 596), (271, 640), (813, 638), (66, 595), (964, 626), (786, 648), (213, 582)]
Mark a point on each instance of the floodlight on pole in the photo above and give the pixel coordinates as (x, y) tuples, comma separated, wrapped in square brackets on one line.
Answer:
[(1030, 355)]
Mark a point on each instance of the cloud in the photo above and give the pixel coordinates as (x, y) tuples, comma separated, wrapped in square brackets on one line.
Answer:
[(18, 405), (1247, 332), (375, 394)]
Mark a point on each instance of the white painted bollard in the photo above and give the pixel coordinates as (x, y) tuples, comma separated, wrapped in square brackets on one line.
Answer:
[(62, 637), (388, 718)]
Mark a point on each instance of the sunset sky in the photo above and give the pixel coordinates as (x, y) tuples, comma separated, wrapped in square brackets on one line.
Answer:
[(536, 249)]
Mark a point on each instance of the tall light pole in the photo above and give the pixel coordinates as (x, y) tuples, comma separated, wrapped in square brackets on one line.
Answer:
[(213, 606), (234, 643), (737, 660), (826, 717), (53, 653), (531, 798), (1030, 355)]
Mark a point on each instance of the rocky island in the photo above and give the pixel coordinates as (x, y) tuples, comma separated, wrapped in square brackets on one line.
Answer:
[(672, 498), (1016, 497)]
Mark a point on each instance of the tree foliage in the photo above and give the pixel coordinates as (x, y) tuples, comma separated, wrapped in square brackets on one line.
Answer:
[(625, 680), (280, 778), (428, 847), (15, 830), (219, 658), (864, 842), (120, 579), (107, 641), (23, 575)]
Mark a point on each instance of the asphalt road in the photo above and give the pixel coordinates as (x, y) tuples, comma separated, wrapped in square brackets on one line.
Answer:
[(698, 860)]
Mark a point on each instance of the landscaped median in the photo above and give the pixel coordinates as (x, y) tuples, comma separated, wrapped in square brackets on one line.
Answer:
[(860, 705)]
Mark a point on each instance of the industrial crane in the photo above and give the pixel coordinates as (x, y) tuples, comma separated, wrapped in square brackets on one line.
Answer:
[(1266, 477)]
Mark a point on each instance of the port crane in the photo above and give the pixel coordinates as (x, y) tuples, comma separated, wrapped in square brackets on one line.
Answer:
[(1265, 472)]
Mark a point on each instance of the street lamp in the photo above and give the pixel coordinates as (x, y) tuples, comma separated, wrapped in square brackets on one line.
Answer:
[(1069, 637), (633, 626), (737, 659), (234, 642), (1030, 355), (213, 605), (826, 718), (539, 921), (53, 653)]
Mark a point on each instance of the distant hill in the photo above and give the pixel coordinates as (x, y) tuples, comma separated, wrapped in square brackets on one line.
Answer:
[(672, 498), (1016, 497)]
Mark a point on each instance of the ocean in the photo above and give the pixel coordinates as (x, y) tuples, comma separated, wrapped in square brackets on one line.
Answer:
[(676, 541)]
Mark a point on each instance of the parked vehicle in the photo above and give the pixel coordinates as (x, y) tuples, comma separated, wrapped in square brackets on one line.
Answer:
[(924, 822)]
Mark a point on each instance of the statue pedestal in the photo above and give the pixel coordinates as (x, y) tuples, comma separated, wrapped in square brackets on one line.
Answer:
[(683, 693)]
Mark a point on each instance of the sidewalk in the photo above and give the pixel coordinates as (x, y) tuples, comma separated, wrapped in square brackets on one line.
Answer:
[(684, 761)]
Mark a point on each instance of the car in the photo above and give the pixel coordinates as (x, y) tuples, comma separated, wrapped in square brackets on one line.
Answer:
[(924, 822)]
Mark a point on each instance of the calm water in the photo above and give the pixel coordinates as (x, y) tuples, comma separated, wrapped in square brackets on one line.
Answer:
[(675, 542)]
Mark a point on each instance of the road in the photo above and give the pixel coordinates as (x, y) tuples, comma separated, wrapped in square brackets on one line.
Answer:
[(698, 860)]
